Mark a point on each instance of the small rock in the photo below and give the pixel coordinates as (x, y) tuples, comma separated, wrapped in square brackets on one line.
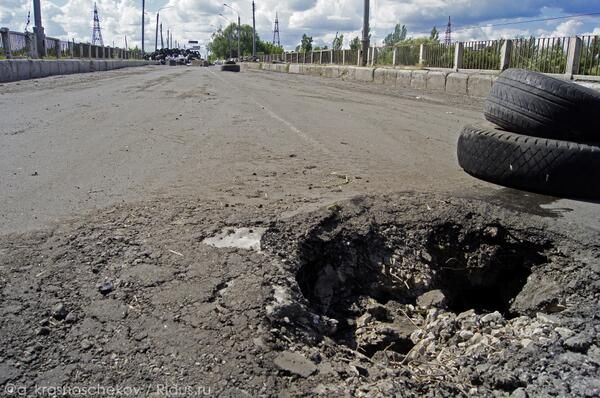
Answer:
[(433, 298), (526, 342), (59, 312), (547, 318), (71, 317), (519, 393), (43, 331), (505, 381), (105, 287), (494, 317), (295, 363), (465, 335), (578, 343), (86, 344), (565, 333), (426, 257)]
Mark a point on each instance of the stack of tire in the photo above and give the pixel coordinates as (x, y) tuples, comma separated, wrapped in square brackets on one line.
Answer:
[(547, 138), (230, 66)]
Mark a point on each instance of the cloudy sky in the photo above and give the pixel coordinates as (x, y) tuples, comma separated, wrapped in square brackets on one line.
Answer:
[(197, 19)]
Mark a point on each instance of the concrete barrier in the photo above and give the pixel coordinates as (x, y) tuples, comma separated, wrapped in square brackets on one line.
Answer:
[(36, 69), (52, 68), (436, 81), (295, 69), (480, 85), (6, 73), (472, 84), (85, 67), (331, 71), (379, 76), (419, 79), (403, 78), (22, 69), (457, 83), (364, 74)]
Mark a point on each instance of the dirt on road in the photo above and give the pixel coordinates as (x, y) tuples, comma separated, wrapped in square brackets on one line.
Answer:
[(374, 267)]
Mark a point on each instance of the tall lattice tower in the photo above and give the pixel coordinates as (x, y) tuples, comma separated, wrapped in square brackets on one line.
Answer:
[(448, 39), (97, 33), (276, 41)]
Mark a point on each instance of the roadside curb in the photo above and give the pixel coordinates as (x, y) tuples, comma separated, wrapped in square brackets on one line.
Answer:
[(473, 84), (22, 69)]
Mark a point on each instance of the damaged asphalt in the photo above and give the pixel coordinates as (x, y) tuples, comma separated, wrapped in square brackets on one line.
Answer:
[(452, 287)]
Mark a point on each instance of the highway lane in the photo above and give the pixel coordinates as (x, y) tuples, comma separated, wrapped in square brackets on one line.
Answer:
[(75, 143)]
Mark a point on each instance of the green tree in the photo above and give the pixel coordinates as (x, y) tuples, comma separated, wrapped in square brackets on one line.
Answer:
[(338, 42), (224, 42), (268, 48), (306, 43), (355, 44), (398, 35), (435, 35)]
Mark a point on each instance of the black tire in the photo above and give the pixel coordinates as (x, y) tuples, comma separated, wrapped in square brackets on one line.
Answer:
[(534, 104), (230, 68), (560, 168)]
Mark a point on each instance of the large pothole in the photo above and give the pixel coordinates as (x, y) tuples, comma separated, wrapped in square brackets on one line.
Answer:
[(369, 282)]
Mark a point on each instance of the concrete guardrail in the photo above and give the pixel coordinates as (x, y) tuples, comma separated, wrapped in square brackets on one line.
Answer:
[(474, 84), (22, 69)]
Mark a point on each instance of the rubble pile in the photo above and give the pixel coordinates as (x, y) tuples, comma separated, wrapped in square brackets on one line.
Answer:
[(423, 302), (180, 56)]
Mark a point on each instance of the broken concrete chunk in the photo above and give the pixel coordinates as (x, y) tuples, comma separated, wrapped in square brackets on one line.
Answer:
[(434, 298), (59, 312), (295, 363), (578, 343), (239, 238)]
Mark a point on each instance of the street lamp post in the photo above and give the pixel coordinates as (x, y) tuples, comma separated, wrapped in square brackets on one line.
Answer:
[(228, 35), (143, 18), (365, 38), (38, 29), (253, 30), (239, 29)]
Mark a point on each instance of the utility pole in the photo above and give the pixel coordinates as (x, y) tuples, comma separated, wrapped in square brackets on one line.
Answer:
[(253, 29), (167, 38), (156, 35), (365, 39), (143, 18), (239, 55), (276, 41), (38, 29), (162, 42)]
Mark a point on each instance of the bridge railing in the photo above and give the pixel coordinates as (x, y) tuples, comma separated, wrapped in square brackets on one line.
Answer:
[(570, 56), (24, 45)]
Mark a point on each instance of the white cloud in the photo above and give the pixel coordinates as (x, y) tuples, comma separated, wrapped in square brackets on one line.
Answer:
[(196, 20)]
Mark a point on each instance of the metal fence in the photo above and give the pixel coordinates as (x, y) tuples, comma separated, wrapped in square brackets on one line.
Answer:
[(482, 54), (548, 55), (557, 55), (19, 44), (438, 55), (24, 45), (384, 56), (589, 63)]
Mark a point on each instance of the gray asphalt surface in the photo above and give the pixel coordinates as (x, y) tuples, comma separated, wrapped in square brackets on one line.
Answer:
[(75, 143)]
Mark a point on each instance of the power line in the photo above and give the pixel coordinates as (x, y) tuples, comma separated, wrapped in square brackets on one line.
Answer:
[(470, 27), (527, 21)]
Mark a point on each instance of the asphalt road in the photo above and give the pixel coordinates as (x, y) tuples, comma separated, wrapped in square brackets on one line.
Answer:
[(70, 144)]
